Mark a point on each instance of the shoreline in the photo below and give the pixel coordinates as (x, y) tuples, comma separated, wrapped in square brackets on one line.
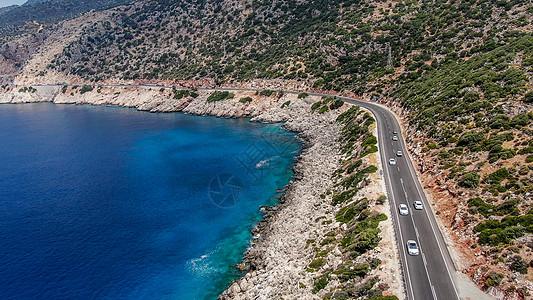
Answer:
[(270, 263)]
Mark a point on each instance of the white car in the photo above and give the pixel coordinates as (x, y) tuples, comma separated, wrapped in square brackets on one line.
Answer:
[(412, 248), (392, 162), (395, 131), (418, 205), (394, 137), (404, 211), (399, 153)]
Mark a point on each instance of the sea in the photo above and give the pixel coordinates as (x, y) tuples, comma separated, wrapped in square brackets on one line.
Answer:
[(113, 203)]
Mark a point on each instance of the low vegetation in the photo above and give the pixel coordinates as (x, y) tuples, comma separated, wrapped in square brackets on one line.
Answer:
[(219, 96), (361, 233)]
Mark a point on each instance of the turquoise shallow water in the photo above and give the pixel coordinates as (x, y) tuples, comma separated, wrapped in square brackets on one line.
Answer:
[(105, 202)]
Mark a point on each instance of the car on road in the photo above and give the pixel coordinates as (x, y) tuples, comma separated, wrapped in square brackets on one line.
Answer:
[(418, 205), (392, 162), (404, 211), (395, 131), (412, 248), (399, 153), (394, 137)]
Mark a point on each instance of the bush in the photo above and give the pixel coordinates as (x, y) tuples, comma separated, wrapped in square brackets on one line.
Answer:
[(347, 272), (317, 263), (469, 180), (371, 140), (336, 104), (178, 94), (323, 109), (494, 279), (320, 283), (349, 212), (498, 176), (220, 95), (518, 265), (303, 95), (267, 93), (85, 89), (344, 196), (528, 97), (245, 99), (470, 139)]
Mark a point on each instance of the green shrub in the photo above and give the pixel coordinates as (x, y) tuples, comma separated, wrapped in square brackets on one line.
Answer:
[(521, 120), (494, 279), (470, 139), (344, 196), (498, 176), (336, 104), (371, 140), (320, 283), (518, 265), (316, 105), (285, 104), (303, 95), (86, 88), (317, 263), (245, 100), (528, 97), (469, 180), (267, 93), (323, 109), (372, 149), (219, 96), (348, 213), (348, 271), (178, 94)]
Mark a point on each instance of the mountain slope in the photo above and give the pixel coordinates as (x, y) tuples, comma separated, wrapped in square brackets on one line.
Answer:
[(49, 11)]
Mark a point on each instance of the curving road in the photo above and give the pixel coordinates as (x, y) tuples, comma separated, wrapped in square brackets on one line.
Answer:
[(431, 274)]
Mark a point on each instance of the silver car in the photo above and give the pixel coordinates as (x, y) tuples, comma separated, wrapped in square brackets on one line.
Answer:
[(404, 211), (412, 248), (392, 162), (399, 153), (394, 137)]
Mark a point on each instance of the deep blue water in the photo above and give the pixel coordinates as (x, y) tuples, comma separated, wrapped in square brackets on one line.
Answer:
[(106, 202)]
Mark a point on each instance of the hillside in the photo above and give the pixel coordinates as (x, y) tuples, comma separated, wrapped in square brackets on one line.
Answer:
[(47, 12), (459, 73)]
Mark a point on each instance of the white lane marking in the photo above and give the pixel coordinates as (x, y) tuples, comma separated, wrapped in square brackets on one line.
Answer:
[(405, 193), (433, 292)]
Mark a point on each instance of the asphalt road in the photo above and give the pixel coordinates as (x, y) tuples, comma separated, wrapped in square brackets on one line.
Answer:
[(430, 274)]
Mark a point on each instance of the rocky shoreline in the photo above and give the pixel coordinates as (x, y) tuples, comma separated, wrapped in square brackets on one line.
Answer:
[(278, 262)]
